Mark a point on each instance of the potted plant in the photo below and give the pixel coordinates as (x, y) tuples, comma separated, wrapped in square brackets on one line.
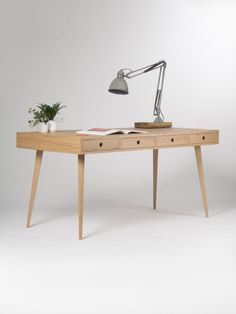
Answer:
[(38, 119), (43, 116)]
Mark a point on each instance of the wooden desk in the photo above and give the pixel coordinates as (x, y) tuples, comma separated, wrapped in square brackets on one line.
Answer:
[(154, 139)]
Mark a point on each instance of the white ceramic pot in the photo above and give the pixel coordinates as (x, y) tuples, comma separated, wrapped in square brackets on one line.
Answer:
[(42, 127), (52, 126)]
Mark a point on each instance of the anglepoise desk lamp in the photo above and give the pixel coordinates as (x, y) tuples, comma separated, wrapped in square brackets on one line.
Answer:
[(120, 87)]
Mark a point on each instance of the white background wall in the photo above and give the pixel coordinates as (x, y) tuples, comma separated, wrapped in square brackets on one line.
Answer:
[(69, 51)]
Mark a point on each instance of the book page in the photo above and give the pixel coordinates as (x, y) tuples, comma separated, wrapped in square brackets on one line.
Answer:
[(103, 131)]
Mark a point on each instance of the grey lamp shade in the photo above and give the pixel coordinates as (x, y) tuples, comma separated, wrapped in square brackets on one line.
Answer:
[(119, 86)]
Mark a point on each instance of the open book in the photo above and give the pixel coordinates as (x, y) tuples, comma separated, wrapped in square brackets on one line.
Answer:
[(102, 132)]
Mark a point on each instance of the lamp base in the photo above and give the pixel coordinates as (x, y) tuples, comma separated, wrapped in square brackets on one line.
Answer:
[(152, 125)]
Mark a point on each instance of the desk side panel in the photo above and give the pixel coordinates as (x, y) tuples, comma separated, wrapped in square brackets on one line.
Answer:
[(54, 142)]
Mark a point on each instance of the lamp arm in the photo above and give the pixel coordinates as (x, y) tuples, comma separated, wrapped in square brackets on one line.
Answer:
[(157, 105), (133, 73), (162, 65)]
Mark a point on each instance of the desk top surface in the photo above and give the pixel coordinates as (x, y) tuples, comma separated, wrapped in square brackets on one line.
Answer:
[(152, 132), (70, 142)]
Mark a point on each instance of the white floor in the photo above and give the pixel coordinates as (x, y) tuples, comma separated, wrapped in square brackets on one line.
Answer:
[(132, 260)]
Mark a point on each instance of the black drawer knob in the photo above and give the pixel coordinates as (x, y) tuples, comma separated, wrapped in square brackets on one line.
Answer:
[(203, 138), (100, 144), (138, 142), (172, 140)]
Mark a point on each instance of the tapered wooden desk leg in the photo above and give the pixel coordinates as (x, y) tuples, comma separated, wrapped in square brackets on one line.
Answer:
[(81, 161), (201, 177), (37, 166), (155, 172)]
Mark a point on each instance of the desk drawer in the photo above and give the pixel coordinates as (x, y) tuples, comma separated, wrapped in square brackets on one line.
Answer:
[(206, 138), (142, 142), (100, 145), (172, 140)]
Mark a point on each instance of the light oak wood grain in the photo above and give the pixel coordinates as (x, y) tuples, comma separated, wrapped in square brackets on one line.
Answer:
[(138, 142), (100, 145), (63, 142), (81, 161), (172, 140), (155, 173), (152, 125), (204, 138), (201, 177), (70, 142), (37, 166)]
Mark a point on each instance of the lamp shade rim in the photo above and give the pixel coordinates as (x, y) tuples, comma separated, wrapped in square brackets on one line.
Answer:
[(119, 86), (117, 91)]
